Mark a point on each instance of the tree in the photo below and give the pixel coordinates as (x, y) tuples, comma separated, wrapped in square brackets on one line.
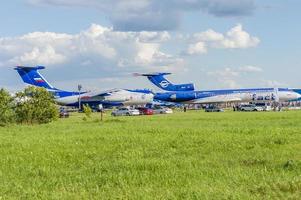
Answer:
[(35, 105), (6, 108)]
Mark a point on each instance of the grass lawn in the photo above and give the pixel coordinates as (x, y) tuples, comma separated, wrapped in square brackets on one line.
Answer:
[(193, 155)]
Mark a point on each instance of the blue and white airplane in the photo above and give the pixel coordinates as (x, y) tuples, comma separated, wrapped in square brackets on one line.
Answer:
[(114, 97), (185, 93)]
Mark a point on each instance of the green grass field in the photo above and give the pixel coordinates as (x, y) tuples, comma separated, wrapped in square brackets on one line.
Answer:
[(193, 155)]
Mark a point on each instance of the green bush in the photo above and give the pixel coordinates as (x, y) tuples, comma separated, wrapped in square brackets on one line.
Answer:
[(35, 105), (6, 108), (87, 111)]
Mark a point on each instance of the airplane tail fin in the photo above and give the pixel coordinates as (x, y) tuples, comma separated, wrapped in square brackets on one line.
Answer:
[(31, 75), (160, 81)]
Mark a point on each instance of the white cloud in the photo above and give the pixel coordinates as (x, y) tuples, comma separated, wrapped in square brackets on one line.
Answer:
[(226, 72), (229, 83), (106, 52), (145, 53), (146, 36), (230, 77), (93, 46), (250, 68), (236, 38), (274, 83), (226, 77), (208, 36), (47, 56), (198, 48)]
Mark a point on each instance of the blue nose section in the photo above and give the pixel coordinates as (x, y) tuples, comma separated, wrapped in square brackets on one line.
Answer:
[(298, 95)]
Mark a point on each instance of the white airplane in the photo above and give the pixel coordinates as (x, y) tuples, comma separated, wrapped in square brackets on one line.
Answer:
[(114, 97)]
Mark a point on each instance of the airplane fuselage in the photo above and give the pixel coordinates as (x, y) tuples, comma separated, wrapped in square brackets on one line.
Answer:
[(117, 97), (235, 95)]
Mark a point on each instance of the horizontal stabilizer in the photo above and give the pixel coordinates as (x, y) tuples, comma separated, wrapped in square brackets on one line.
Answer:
[(152, 74)]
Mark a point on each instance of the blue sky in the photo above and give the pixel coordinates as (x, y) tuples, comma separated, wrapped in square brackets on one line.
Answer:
[(99, 43)]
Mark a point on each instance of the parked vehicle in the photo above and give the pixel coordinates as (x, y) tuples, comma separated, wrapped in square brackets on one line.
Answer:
[(162, 110), (213, 109), (125, 112), (265, 106), (250, 107), (146, 111), (64, 113)]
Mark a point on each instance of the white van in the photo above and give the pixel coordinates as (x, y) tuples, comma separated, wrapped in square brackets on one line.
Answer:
[(250, 107)]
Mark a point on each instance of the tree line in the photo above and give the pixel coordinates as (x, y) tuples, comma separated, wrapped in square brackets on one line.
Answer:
[(33, 105)]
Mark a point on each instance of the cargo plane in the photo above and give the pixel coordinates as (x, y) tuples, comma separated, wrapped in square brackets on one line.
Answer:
[(186, 93), (114, 97)]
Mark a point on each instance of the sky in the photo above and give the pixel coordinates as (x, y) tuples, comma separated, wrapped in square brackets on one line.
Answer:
[(215, 44)]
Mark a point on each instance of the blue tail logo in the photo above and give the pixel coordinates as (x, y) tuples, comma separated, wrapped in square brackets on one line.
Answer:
[(160, 81), (164, 84), (31, 75)]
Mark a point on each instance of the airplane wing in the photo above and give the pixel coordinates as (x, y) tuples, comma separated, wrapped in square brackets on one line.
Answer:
[(99, 95), (114, 95), (218, 99)]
